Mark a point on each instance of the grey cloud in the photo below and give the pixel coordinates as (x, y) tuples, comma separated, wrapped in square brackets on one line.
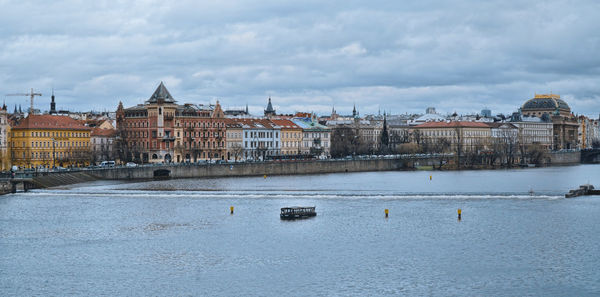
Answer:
[(460, 56)]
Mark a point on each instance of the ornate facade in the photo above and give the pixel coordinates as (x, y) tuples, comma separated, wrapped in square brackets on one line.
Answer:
[(163, 131), (565, 125)]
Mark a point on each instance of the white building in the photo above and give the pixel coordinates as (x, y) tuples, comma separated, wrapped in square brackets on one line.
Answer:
[(533, 130), (260, 138)]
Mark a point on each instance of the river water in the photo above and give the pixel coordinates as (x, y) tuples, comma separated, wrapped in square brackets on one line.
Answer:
[(177, 237)]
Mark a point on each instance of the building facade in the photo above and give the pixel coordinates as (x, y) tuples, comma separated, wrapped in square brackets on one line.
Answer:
[(291, 136), (316, 138), (533, 130), (260, 137), (47, 141), (565, 125), (5, 163), (160, 130), (456, 136), (235, 140), (103, 144)]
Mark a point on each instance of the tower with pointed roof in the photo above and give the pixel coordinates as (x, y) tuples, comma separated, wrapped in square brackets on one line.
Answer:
[(269, 112), (52, 104), (161, 95)]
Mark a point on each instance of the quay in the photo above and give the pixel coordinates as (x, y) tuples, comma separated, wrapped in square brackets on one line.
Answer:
[(31, 179)]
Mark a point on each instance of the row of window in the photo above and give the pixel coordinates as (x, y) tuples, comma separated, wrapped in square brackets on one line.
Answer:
[(261, 144), (254, 134), (205, 144), (44, 155), (52, 134), (50, 144), (204, 125)]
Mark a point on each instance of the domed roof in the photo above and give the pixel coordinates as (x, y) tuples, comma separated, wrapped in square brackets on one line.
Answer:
[(546, 102)]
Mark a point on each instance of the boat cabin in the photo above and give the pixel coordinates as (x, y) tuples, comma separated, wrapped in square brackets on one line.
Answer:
[(297, 212)]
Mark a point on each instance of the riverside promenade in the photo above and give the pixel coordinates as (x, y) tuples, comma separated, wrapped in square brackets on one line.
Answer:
[(30, 179)]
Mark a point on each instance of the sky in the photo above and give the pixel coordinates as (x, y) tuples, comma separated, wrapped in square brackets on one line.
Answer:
[(394, 56)]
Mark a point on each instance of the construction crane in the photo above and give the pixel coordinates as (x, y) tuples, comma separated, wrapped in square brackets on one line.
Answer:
[(31, 95)]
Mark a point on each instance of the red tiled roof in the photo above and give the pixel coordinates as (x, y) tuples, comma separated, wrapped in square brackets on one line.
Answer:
[(303, 115), (457, 124), (46, 121), (286, 124), (254, 123), (103, 132)]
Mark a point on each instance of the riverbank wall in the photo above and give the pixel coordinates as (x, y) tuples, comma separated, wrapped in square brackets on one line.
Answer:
[(5, 187), (253, 169), (565, 158), (54, 179)]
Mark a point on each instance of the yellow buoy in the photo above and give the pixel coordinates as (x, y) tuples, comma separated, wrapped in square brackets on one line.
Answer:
[(231, 209)]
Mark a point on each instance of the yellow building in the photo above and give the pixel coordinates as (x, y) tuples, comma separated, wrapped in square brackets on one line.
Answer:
[(46, 141), (291, 136)]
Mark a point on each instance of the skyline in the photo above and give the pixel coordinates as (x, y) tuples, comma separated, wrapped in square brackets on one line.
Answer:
[(401, 58)]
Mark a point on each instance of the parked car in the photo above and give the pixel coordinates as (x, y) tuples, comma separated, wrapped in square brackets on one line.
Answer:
[(107, 164), (131, 164)]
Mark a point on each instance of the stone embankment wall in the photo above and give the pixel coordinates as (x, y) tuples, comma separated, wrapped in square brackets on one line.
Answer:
[(565, 158), (61, 178), (255, 169), (5, 187)]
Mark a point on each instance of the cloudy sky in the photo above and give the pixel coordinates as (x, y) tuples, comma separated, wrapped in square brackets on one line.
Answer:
[(307, 55)]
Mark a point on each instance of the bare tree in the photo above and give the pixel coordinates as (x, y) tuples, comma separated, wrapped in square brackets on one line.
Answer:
[(237, 150)]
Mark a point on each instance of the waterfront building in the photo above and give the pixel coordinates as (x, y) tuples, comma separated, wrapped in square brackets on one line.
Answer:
[(102, 143), (565, 125), (463, 136), (315, 137), (260, 138), (291, 136), (46, 141), (160, 130), (503, 130), (5, 163), (533, 130), (234, 140)]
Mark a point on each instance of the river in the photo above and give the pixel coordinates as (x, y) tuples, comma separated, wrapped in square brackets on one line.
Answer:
[(518, 236)]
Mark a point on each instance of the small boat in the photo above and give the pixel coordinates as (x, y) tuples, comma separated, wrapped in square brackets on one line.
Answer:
[(297, 212), (586, 189)]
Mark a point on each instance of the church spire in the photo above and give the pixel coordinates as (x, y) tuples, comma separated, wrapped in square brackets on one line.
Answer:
[(269, 111), (52, 104)]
